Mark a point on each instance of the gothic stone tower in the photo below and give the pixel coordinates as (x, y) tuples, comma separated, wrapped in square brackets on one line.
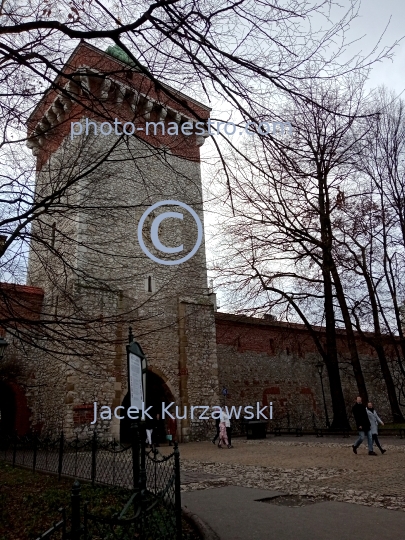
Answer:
[(92, 268)]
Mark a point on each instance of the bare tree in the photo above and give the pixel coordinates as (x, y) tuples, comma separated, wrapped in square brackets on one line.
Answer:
[(375, 228), (282, 235), (214, 52)]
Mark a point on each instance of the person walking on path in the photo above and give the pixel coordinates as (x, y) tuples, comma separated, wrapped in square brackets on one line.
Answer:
[(229, 432), (149, 424), (363, 425), (158, 430), (223, 438), (217, 421), (171, 431), (374, 421)]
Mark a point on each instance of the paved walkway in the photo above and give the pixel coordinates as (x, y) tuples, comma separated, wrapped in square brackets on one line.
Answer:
[(351, 495), (234, 513)]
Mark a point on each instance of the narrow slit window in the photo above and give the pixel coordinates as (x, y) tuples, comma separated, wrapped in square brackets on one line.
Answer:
[(150, 285), (53, 234)]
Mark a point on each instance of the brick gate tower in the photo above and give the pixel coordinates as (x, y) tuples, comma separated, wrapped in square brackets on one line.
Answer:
[(92, 267)]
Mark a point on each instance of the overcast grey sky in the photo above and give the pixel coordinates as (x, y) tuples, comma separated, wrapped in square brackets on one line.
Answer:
[(374, 15)]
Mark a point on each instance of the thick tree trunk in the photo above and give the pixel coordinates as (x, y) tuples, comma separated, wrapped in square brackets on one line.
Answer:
[(378, 345), (351, 340), (340, 420), (391, 390)]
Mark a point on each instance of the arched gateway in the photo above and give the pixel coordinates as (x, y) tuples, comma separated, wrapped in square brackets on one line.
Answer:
[(157, 393)]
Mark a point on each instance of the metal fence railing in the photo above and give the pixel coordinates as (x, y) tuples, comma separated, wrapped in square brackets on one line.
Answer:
[(153, 478), (100, 462)]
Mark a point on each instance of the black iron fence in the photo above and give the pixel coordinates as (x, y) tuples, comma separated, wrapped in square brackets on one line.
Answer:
[(108, 463), (145, 516), (153, 478)]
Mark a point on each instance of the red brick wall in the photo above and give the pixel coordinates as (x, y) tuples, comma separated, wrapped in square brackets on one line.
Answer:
[(268, 361), (19, 307), (89, 56), (19, 304), (83, 414)]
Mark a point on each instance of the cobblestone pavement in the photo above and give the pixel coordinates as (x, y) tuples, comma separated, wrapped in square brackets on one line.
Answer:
[(322, 469)]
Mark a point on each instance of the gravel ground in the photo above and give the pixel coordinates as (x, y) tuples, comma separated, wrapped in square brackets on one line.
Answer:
[(322, 470)]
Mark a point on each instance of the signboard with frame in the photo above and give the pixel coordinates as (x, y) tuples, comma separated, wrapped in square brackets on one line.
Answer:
[(135, 381), (137, 367)]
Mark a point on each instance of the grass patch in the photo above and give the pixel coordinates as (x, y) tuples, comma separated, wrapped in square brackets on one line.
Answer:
[(392, 426), (29, 502)]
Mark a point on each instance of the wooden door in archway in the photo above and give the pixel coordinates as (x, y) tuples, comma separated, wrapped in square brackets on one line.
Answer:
[(7, 409)]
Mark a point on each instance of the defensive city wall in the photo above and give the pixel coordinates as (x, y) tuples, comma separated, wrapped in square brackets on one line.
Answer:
[(275, 362), (85, 262), (259, 361)]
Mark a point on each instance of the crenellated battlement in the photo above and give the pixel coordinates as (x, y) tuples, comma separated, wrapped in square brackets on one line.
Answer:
[(98, 86)]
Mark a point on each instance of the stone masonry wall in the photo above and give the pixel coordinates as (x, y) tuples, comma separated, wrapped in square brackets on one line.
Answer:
[(270, 362), (109, 283)]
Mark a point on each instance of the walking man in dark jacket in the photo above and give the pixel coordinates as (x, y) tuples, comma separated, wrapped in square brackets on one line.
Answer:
[(217, 421), (363, 425)]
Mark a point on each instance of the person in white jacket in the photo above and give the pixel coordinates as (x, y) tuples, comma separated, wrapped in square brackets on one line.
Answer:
[(223, 424), (374, 421)]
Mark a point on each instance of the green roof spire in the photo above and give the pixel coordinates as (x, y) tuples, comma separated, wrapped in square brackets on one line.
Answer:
[(118, 53)]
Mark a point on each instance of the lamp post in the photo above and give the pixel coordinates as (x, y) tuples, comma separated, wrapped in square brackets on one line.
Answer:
[(319, 367), (137, 366), (3, 345)]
